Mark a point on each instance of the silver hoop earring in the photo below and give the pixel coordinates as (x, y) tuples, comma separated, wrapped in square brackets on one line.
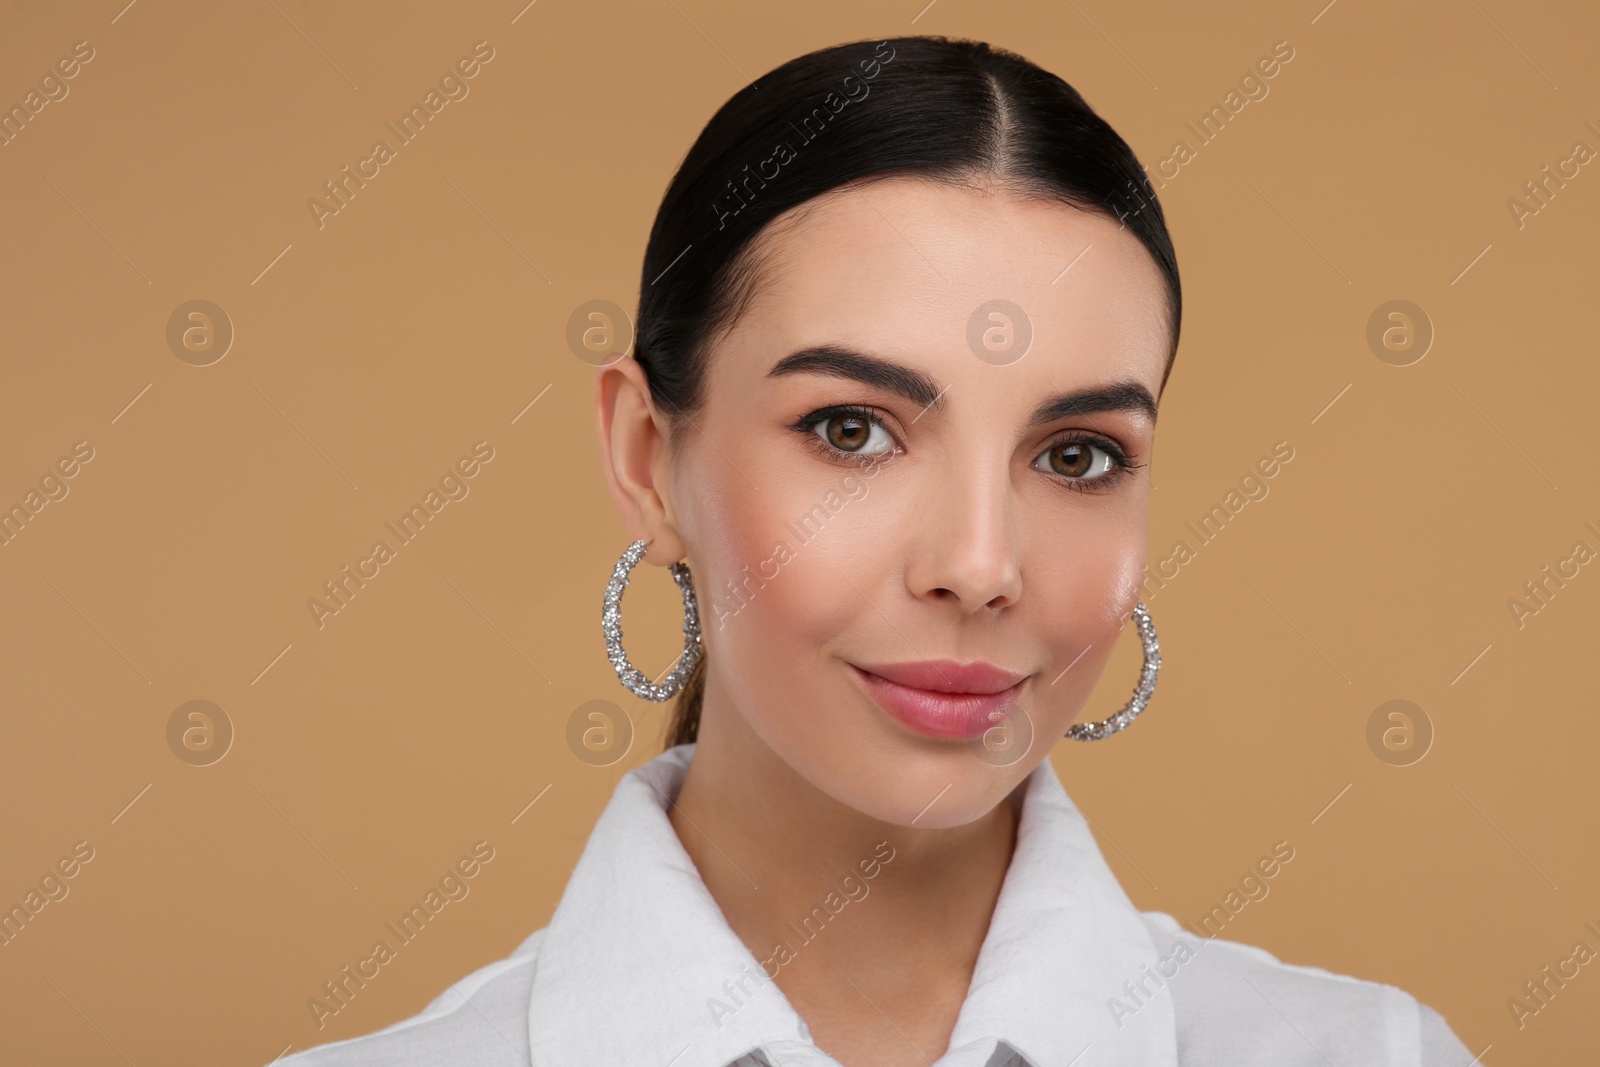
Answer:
[(1094, 731), (611, 623)]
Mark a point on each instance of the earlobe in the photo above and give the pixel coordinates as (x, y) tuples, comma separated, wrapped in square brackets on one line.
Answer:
[(632, 444)]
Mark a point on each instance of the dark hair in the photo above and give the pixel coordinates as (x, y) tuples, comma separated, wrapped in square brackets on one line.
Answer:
[(938, 109)]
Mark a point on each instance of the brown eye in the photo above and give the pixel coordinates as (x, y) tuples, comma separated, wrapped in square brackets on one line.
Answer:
[(853, 434), (848, 434), (1078, 460)]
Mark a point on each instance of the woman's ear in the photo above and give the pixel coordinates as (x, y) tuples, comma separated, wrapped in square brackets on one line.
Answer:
[(633, 449)]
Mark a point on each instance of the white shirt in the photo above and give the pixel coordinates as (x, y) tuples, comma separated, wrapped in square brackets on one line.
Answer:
[(637, 957)]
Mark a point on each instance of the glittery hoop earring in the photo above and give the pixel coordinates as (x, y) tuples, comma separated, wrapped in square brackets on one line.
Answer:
[(1094, 731), (611, 623)]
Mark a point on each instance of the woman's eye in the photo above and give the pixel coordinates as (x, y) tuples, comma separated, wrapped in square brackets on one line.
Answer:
[(854, 434), (1078, 460)]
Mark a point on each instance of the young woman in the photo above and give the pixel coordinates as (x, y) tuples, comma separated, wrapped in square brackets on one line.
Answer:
[(906, 313)]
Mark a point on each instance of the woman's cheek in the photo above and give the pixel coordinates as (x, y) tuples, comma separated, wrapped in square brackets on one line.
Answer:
[(1079, 600), (798, 613), (744, 563), (769, 656), (793, 595), (727, 525), (1105, 583)]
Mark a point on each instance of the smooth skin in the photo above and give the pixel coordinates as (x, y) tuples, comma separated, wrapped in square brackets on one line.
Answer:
[(977, 536)]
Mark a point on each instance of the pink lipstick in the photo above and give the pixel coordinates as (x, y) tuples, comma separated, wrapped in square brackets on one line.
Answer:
[(942, 698)]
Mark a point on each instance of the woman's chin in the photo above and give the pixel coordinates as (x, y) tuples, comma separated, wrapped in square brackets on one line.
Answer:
[(918, 788)]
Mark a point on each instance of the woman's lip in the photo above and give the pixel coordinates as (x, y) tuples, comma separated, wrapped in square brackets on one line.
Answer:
[(954, 715), (946, 675)]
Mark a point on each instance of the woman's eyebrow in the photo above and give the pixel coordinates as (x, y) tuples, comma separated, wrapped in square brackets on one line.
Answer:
[(1129, 396), (839, 361)]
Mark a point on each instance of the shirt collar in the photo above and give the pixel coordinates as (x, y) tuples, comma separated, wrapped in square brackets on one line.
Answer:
[(638, 950)]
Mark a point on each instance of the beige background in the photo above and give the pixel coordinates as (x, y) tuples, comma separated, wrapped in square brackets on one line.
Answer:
[(370, 354)]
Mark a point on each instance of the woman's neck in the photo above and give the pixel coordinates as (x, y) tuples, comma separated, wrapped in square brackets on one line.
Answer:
[(853, 939)]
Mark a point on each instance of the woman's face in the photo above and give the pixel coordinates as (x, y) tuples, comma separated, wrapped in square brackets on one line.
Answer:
[(882, 479)]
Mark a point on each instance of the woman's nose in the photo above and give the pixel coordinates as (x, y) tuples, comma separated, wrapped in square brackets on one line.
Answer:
[(967, 548)]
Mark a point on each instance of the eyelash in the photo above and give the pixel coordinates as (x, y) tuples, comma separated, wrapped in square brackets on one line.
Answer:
[(1121, 464)]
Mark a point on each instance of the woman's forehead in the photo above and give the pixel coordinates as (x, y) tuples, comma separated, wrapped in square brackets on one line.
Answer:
[(913, 268)]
